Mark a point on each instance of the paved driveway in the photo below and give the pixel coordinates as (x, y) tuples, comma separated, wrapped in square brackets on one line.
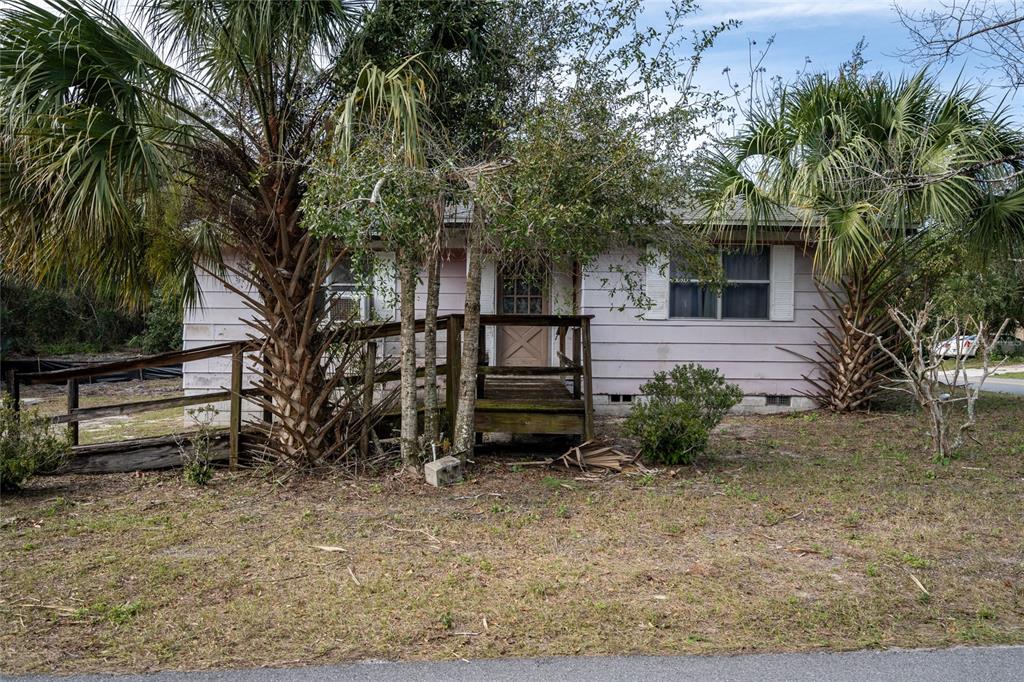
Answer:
[(999, 385), (991, 664)]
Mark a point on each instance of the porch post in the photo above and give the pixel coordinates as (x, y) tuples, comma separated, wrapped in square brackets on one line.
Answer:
[(369, 368), (588, 381), (453, 363), (577, 375)]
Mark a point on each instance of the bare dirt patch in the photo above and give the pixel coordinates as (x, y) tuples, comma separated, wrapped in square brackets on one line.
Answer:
[(802, 532)]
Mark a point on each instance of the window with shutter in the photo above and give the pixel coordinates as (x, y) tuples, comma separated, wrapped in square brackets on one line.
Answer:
[(745, 295)]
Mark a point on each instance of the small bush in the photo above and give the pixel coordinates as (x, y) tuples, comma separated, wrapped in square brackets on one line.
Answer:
[(28, 445), (197, 457), (680, 407)]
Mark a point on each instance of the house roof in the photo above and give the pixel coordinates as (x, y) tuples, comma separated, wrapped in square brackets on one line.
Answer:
[(784, 217)]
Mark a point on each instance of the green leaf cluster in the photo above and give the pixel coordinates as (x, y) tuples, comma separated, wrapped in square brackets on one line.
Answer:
[(28, 445)]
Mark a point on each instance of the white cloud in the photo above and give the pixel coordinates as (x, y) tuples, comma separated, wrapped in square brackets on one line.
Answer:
[(758, 11)]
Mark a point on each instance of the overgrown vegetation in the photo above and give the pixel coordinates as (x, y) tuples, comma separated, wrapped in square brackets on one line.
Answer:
[(163, 323), (45, 321), (40, 320), (946, 394), (197, 453), (674, 417), (28, 445)]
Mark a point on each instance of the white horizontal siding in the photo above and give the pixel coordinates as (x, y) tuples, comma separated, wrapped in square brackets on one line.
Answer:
[(221, 316)]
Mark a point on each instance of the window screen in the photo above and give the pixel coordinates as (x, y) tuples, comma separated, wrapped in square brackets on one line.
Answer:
[(341, 294)]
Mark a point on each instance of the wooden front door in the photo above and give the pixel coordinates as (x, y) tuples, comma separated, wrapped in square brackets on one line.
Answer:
[(520, 294)]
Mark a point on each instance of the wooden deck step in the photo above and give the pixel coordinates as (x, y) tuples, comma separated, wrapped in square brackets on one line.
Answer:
[(517, 404)]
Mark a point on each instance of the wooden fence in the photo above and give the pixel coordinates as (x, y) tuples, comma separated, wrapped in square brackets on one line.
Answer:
[(76, 414), (509, 398)]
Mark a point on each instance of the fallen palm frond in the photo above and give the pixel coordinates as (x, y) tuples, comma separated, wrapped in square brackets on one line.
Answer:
[(596, 454)]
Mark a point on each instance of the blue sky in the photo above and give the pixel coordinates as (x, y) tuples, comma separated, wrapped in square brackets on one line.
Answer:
[(823, 31)]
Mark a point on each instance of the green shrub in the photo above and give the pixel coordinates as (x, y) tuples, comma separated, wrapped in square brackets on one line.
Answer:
[(28, 445), (162, 330), (678, 410), (47, 321)]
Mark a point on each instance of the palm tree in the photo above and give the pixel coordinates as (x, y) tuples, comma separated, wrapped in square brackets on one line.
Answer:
[(870, 165), (221, 113)]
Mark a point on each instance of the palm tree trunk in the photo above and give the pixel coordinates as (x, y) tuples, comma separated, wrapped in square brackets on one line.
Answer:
[(430, 417), (465, 431), (853, 369), (301, 362), (409, 434)]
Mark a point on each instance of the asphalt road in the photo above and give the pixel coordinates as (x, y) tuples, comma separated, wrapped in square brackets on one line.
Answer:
[(997, 385), (990, 664)]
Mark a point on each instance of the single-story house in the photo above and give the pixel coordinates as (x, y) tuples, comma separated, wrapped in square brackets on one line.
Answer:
[(754, 331)]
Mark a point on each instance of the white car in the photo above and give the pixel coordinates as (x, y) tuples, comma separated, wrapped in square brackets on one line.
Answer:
[(964, 346)]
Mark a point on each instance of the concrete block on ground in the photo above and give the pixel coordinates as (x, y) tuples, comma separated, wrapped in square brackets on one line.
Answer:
[(443, 472)]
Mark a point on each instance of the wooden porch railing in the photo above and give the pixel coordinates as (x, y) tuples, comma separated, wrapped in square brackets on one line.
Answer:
[(573, 356), (573, 361)]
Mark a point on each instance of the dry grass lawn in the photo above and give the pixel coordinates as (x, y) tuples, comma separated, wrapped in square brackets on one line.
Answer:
[(796, 532)]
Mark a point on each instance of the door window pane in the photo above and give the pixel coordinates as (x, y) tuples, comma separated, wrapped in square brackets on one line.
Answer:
[(521, 293)]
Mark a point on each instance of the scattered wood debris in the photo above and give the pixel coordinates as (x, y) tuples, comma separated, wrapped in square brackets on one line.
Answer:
[(597, 454)]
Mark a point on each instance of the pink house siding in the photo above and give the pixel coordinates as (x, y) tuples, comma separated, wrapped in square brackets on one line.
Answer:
[(627, 350)]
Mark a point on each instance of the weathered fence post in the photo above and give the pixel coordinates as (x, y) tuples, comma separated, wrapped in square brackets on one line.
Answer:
[(369, 369), (72, 406), (588, 381), (14, 389), (235, 424)]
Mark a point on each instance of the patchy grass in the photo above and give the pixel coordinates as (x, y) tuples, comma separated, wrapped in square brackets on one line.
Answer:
[(1009, 375), (797, 532)]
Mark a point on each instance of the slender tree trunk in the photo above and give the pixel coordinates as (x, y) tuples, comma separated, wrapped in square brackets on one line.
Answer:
[(430, 420), (407, 302), (465, 432)]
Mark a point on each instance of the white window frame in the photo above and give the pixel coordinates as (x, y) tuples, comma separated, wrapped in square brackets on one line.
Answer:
[(718, 296), (335, 290)]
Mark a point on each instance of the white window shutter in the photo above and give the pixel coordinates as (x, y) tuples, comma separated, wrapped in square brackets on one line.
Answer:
[(656, 286), (488, 287), (783, 259), (385, 287)]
